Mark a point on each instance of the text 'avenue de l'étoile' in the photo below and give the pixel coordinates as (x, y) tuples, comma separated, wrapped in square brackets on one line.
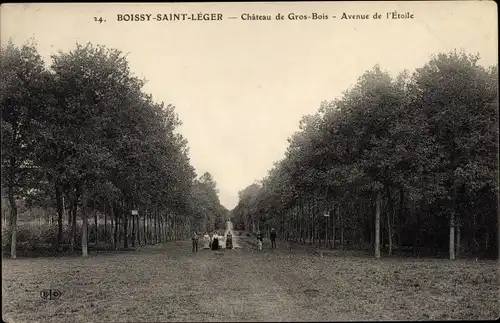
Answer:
[(253, 16)]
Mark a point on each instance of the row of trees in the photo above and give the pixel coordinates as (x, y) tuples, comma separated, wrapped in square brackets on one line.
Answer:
[(81, 135), (406, 162)]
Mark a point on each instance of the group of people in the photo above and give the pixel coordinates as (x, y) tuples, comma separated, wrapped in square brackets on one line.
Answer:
[(272, 237), (212, 242)]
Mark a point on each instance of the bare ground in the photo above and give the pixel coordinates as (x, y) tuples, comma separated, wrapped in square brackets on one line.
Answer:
[(169, 283)]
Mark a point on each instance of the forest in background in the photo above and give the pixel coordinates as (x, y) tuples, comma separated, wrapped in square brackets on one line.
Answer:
[(405, 164), (82, 146)]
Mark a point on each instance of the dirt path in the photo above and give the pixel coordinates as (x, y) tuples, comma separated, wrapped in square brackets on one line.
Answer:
[(170, 283)]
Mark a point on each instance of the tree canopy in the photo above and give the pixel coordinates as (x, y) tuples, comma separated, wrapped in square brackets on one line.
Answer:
[(421, 149), (83, 128)]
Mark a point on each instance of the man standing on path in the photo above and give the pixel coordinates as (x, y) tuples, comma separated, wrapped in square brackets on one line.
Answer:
[(272, 235), (195, 241), (259, 240)]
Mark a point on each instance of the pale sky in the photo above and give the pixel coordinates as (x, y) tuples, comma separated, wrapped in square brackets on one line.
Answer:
[(241, 87)]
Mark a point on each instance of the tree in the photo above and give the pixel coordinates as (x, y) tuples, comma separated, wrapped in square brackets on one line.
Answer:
[(456, 95), (23, 96), (99, 141), (413, 148)]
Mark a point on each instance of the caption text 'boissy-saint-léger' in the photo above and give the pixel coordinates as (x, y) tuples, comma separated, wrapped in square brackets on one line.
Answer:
[(248, 16)]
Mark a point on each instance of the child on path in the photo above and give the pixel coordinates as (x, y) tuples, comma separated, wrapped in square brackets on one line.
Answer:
[(260, 238)]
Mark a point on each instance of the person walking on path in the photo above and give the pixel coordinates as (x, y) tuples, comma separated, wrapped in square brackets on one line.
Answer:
[(195, 241), (272, 235), (229, 240), (215, 241), (260, 238), (206, 241)]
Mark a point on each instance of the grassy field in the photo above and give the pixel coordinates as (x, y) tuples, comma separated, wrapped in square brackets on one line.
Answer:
[(169, 283)]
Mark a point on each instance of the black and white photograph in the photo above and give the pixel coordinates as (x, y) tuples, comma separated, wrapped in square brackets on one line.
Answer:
[(249, 161)]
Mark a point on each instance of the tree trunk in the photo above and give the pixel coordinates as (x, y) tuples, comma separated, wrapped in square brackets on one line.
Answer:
[(314, 231), (341, 214), (145, 235), (458, 241), (111, 222), (115, 213), (164, 228), (360, 213), (96, 224), (13, 222), (306, 223), (487, 235), (133, 230), (70, 228), (161, 232), (155, 218), (167, 226), (148, 220), (105, 223), (377, 226), (73, 225), (416, 235), (138, 224), (125, 229), (176, 227), (334, 225), (157, 226), (59, 206), (67, 212), (138, 227), (74, 218), (287, 225), (401, 216), (83, 210), (310, 218), (326, 228), (453, 221), (282, 227), (389, 222), (300, 220), (452, 235), (173, 227), (151, 226), (160, 227), (317, 222)]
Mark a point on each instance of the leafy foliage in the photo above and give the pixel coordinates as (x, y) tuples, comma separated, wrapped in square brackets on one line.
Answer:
[(89, 132), (426, 141)]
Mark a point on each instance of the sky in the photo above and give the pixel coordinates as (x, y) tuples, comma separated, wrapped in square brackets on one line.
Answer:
[(241, 87)]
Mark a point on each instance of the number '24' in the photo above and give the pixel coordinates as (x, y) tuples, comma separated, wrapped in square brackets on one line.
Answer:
[(99, 20)]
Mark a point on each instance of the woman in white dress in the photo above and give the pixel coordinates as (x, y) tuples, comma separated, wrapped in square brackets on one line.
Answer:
[(206, 241)]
